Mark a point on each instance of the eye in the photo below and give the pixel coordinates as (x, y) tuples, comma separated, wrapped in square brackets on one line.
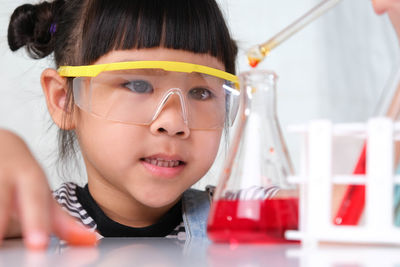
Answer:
[(139, 86), (200, 93)]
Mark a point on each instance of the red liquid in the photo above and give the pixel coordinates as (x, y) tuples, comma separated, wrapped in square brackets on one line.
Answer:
[(352, 206), (265, 221)]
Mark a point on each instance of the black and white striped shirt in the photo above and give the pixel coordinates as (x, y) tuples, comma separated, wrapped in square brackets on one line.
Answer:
[(78, 202)]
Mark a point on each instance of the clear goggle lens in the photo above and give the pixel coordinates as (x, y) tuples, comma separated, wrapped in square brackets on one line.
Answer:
[(138, 96)]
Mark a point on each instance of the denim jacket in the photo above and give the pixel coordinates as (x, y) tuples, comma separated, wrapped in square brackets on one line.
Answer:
[(195, 209)]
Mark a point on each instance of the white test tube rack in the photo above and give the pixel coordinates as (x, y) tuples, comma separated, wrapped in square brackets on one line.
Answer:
[(316, 181)]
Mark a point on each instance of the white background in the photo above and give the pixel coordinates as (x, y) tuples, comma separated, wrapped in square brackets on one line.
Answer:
[(336, 68)]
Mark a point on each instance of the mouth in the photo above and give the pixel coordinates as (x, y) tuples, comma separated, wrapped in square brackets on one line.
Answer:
[(161, 162), (165, 167)]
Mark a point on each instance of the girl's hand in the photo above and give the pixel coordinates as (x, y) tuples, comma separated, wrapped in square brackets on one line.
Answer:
[(392, 8), (27, 207)]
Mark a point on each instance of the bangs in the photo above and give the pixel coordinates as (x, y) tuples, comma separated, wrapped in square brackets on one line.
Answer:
[(190, 25)]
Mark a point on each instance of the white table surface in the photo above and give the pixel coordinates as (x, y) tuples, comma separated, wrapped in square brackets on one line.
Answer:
[(163, 252)]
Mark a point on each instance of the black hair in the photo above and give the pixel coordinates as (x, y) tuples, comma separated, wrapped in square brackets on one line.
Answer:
[(79, 32)]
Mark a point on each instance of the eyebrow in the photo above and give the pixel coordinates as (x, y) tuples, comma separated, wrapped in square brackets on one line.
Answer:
[(160, 72), (155, 71), (133, 59)]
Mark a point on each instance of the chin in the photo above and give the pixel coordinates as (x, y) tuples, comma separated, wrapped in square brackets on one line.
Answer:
[(158, 203), (157, 199)]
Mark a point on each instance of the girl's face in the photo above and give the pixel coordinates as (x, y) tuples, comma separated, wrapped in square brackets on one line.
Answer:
[(152, 165)]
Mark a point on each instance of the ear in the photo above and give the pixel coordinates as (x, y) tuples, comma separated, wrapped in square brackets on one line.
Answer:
[(55, 89)]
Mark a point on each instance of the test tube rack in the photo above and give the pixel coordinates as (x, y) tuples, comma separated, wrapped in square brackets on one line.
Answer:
[(316, 181)]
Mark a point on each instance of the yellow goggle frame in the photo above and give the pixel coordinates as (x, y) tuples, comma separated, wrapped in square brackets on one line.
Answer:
[(94, 70)]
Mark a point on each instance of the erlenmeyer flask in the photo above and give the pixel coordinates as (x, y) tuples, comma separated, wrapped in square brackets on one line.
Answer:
[(253, 201)]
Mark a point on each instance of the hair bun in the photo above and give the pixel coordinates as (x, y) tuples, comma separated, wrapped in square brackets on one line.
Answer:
[(29, 26)]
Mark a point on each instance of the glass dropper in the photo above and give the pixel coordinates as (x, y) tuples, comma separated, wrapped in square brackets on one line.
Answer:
[(257, 53)]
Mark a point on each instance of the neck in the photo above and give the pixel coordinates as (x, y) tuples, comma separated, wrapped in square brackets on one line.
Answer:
[(121, 207)]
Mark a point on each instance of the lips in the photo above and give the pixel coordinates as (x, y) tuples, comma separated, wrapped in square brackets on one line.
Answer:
[(160, 162), (163, 166)]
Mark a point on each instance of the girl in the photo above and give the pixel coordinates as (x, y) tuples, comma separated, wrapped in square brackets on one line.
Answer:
[(73, 30), (145, 87)]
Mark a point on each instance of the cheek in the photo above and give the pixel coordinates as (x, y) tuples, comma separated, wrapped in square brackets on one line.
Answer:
[(206, 147), (106, 142)]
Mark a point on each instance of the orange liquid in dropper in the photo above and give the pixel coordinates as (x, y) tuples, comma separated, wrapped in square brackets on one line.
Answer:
[(255, 57), (253, 62)]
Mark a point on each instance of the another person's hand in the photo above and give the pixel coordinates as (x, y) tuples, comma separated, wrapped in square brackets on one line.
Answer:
[(27, 208), (392, 8)]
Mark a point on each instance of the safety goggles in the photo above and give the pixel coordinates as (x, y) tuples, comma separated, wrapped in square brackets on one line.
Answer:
[(136, 92)]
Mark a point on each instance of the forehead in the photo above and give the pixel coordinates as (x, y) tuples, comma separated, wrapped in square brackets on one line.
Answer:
[(162, 54)]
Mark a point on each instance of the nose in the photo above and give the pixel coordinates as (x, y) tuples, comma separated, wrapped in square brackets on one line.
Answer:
[(171, 118)]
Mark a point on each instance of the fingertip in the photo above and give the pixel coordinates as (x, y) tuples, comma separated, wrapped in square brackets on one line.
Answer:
[(82, 238), (378, 10), (380, 7), (71, 231), (36, 240)]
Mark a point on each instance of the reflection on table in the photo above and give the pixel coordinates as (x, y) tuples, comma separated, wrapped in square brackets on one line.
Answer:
[(167, 252)]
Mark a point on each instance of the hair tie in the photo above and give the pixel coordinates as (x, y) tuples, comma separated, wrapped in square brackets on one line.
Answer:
[(53, 28)]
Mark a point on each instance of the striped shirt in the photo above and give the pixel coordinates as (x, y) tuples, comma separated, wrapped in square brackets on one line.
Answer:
[(71, 197)]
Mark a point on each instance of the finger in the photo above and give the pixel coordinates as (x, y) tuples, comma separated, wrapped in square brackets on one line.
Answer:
[(34, 198), (5, 207), (381, 6), (13, 226), (67, 228)]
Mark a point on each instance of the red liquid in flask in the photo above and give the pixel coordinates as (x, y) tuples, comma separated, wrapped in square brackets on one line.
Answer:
[(253, 221)]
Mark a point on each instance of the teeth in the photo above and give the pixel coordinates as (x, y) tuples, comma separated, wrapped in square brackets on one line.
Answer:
[(163, 163)]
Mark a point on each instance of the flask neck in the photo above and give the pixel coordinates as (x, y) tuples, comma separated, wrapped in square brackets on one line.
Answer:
[(260, 92)]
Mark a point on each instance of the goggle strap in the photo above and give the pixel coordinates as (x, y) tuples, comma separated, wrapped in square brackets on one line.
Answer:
[(94, 70)]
